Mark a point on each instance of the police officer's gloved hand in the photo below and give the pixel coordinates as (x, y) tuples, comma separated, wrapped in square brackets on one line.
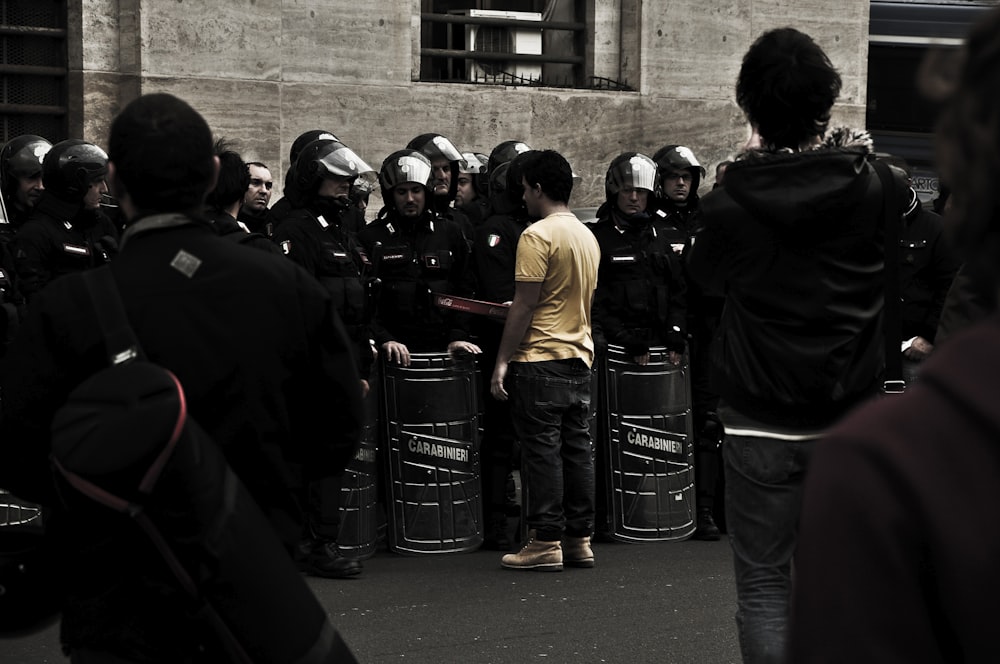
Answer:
[(676, 341), (634, 346)]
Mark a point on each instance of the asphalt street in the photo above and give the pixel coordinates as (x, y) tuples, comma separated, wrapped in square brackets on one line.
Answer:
[(667, 602)]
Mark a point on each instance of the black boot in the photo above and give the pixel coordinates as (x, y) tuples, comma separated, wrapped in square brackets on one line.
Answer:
[(324, 559), (496, 538), (706, 530)]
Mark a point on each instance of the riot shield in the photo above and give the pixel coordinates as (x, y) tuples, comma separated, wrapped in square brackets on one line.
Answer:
[(647, 455), (358, 536), (432, 454)]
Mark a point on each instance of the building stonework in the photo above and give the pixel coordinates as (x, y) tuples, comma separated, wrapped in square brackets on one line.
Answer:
[(263, 71)]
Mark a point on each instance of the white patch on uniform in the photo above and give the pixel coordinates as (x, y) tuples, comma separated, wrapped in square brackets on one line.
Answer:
[(322, 221), (76, 249), (623, 259), (286, 247), (493, 240), (186, 263)]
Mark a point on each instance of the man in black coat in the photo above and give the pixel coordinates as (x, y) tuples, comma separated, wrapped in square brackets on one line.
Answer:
[(263, 358)]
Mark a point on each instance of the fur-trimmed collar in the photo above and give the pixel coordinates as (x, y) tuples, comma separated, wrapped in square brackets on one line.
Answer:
[(838, 138)]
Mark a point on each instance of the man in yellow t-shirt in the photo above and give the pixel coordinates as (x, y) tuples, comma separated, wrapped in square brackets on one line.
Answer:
[(544, 361)]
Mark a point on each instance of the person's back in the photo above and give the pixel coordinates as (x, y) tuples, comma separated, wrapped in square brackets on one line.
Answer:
[(802, 277), (264, 363), (561, 321), (792, 239)]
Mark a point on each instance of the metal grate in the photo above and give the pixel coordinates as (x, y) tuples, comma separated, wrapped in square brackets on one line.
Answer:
[(33, 68)]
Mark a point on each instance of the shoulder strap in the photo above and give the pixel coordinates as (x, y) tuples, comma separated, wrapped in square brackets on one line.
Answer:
[(892, 324), (120, 341)]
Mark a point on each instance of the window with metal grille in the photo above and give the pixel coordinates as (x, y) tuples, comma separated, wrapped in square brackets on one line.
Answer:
[(33, 68), (506, 42)]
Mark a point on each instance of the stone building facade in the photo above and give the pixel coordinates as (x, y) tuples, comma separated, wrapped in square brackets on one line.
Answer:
[(263, 71)]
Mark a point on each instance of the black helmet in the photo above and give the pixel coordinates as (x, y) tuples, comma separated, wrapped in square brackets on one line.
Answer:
[(305, 138), (474, 164), (323, 158), (404, 166), (22, 157), (496, 167), (436, 147), (70, 167), (630, 169), (678, 157)]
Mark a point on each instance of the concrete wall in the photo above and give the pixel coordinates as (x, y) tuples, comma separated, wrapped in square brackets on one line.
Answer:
[(263, 71)]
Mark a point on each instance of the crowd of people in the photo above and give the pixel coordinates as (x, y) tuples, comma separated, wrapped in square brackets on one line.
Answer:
[(770, 287)]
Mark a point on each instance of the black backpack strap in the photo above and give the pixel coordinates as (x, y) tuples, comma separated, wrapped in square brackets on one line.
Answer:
[(892, 323), (120, 341)]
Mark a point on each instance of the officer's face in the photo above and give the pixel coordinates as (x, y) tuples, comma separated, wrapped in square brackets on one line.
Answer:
[(677, 184), (466, 192), (335, 186), (92, 199), (259, 192), (441, 179), (631, 200), (29, 190), (410, 199)]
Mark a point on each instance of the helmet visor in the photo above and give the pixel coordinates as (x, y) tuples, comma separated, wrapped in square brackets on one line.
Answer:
[(440, 147), (27, 162), (408, 168), (344, 162)]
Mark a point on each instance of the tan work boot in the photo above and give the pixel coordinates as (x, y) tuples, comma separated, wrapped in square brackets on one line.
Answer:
[(536, 556), (577, 552)]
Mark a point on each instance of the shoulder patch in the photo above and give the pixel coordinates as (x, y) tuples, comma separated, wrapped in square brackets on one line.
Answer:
[(286, 247), (493, 240), (186, 263)]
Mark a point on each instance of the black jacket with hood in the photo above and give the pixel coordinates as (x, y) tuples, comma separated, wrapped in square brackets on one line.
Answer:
[(794, 242)]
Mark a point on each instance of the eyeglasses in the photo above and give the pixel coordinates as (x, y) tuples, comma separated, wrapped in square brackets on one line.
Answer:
[(257, 182)]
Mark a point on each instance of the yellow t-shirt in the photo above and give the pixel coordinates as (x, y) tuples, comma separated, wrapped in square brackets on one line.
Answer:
[(562, 254)]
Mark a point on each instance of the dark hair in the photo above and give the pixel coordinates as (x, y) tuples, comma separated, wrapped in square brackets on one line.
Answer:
[(969, 144), (233, 181), (162, 152), (551, 171), (258, 164), (787, 87)]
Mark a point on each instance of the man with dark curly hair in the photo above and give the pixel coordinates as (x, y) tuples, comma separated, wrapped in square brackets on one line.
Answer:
[(793, 239)]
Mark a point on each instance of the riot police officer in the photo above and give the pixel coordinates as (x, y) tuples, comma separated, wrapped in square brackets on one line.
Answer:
[(21, 176), (494, 251), (471, 195), (446, 162), (679, 205), (640, 299), (422, 253), (316, 236), (67, 231)]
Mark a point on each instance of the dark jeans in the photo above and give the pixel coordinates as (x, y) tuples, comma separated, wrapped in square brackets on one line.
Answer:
[(550, 407), (764, 478)]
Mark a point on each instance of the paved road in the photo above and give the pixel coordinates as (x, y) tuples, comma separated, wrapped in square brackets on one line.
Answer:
[(668, 603)]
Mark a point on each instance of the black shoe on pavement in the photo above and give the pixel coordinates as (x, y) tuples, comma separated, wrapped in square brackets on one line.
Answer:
[(496, 538), (706, 529), (326, 561)]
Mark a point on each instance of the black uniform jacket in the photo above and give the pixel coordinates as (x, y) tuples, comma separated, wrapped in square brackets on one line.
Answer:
[(326, 250), (640, 297), (417, 259), (60, 238), (794, 242), (254, 340)]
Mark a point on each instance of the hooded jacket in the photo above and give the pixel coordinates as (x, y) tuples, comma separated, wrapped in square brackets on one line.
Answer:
[(794, 243)]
